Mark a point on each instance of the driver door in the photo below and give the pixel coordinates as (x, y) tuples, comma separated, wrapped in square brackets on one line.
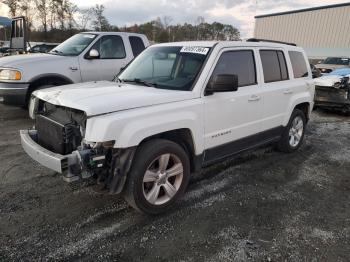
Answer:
[(232, 117), (112, 57)]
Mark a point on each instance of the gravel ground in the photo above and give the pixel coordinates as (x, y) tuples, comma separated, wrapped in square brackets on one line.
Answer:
[(262, 206)]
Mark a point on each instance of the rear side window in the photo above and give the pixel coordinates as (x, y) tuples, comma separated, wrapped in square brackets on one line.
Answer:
[(283, 65), (240, 63), (137, 45), (298, 64), (274, 65)]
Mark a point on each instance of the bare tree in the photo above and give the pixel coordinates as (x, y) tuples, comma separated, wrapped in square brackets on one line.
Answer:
[(27, 10), (43, 8), (61, 12), (13, 5), (166, 21), (100, 23), (84, 18), (70, 10)]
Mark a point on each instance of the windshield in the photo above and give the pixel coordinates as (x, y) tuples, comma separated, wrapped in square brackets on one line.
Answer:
[(74, 45), (337, 61), (166, 67)]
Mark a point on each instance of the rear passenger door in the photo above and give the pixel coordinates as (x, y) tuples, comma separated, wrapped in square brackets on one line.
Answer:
[(231, 116), (277, 90)]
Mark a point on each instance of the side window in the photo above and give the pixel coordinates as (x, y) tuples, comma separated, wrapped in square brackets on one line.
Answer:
[(274, 65), (240, 63), (137, 45), (110, 47), (298, 64), (283, 65)]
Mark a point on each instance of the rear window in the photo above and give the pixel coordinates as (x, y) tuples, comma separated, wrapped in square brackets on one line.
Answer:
[(298, 64), (137, 45), (274, 65)]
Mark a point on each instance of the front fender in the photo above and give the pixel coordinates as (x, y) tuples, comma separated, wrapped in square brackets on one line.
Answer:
[(130, 127)]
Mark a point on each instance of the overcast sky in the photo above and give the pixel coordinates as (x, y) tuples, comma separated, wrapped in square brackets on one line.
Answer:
[(236, 12)]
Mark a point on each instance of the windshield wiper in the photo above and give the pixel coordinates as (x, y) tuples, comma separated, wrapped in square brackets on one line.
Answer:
[(55, 52), (138, 81)]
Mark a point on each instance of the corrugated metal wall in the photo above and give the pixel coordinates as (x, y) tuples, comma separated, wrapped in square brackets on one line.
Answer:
[(324, 28)]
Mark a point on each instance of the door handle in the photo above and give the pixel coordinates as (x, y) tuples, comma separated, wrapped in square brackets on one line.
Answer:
[(73, 68), (287, 91), (254, 98)]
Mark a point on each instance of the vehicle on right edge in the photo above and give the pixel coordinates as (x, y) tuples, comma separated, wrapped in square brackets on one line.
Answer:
[(176, 108), (333, 63), (333, 90)]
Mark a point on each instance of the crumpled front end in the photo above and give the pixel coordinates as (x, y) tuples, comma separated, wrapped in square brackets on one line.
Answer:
[(57, 142), (336, 96)]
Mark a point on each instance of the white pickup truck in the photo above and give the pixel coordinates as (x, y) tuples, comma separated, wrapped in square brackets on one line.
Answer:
[(84, 57), (176, 108)]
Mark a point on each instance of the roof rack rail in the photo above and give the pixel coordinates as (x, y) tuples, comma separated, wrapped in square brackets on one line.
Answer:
[(267, 40)]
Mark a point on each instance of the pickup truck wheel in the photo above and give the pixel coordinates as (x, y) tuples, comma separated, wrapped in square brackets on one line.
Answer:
[(158, 178), (293, 134)]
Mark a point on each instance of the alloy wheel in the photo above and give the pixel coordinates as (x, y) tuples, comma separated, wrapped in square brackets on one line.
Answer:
[(162, 179)]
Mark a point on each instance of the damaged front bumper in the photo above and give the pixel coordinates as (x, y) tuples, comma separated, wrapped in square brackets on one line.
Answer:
[(53, 161), (80, 164), (330, 97)]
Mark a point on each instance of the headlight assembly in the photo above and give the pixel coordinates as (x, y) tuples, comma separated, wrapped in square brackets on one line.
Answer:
[(10, 74), (33, 106)]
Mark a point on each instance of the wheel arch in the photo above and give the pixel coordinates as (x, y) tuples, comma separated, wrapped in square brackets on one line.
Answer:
[(46, 79), (182, 137), (301, 103), (305, 107)]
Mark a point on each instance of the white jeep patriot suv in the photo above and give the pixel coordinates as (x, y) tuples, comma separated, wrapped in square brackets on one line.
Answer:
[(176, 108)]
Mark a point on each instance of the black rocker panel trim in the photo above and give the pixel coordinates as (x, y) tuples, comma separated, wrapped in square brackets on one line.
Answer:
[(215, 154)]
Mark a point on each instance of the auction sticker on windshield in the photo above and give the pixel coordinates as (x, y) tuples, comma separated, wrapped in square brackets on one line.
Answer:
[(195, 50)]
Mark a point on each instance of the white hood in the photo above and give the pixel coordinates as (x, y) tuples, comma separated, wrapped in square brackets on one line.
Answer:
[(17, 61), (328, 80), (102, 97)]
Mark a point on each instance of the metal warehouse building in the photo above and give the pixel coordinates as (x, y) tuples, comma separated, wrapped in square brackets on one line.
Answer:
[(321, 31)]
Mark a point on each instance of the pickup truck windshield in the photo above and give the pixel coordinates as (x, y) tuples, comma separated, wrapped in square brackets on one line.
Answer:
[(74, 45), (166, 67)]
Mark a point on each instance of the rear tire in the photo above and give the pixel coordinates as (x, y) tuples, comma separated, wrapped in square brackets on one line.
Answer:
[(158, 178), (294, 132)]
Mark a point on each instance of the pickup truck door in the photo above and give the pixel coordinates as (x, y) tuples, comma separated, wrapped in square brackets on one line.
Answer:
[(112, 57), (231, 118)]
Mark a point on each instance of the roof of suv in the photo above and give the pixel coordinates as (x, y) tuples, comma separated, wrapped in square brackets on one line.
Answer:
[(224, 44), (112, 33)]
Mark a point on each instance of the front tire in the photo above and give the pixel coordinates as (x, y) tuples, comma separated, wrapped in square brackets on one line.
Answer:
[(158, 178), (294, 132)]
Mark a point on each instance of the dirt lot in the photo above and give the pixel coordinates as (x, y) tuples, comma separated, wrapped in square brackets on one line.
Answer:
[(264, 206)]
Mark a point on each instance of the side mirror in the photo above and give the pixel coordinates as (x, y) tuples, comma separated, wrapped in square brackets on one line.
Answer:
[(222, 83), (93, 54)]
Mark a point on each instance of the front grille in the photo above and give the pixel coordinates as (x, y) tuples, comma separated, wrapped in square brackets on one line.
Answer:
[(59, 128), (50, 134)]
